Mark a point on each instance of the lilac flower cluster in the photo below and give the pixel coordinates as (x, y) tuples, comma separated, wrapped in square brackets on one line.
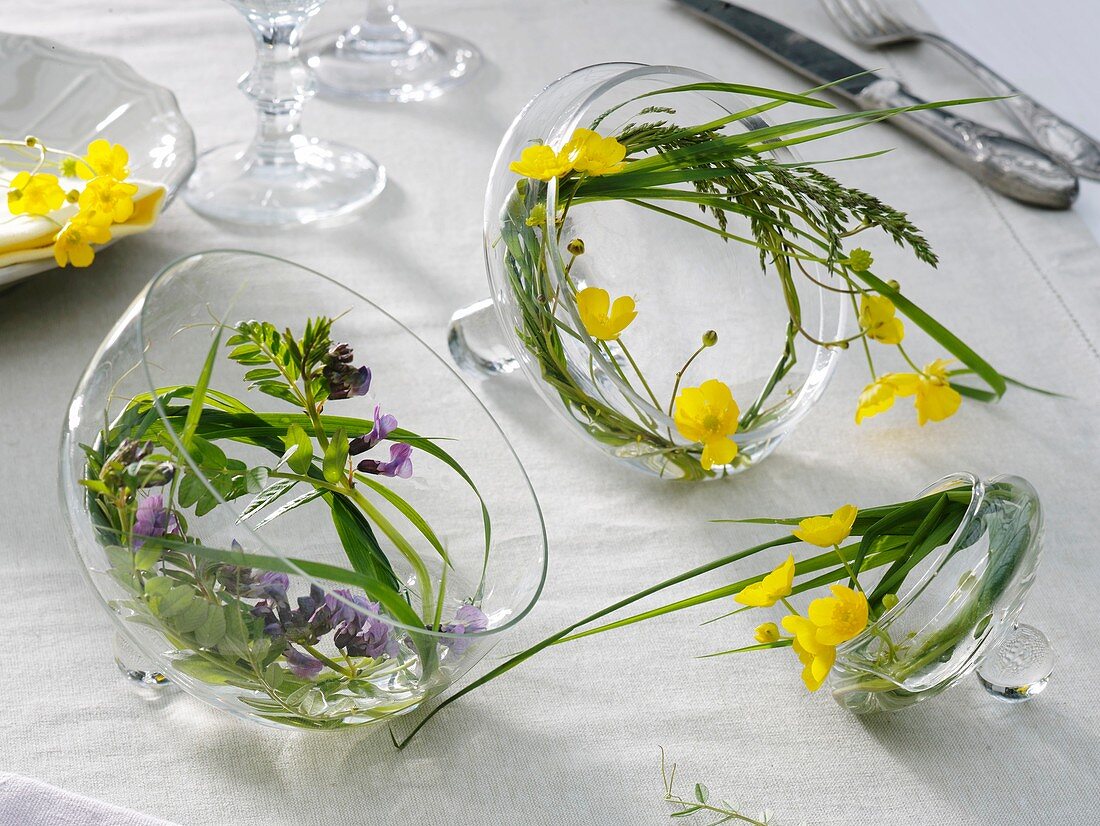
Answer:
[(468, 618), (344, 380), (348, 616), (153, 520)]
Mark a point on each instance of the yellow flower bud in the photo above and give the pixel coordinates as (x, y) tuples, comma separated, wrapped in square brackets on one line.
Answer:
[(710, 338), (889, 601), (575, 247), (767, 632)]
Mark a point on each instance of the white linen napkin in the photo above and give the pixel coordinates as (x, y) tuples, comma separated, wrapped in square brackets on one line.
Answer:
[(28, 802)]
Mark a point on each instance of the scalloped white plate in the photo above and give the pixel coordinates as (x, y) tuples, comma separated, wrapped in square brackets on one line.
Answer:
[(69, 98)]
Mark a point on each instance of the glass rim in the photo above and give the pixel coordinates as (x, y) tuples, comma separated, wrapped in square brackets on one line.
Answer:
[(141, 302), (945, 483), (809, 389)]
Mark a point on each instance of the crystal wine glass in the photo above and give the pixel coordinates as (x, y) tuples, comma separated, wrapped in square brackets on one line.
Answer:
[(281, 177), (384, 59)]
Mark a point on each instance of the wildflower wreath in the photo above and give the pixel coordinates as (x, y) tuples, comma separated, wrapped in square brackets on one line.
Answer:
[(798, 218)]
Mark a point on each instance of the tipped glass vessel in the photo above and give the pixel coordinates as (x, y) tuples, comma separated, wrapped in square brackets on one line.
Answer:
[(685, 281), (267, 587), (281, 177), (385, 59), (961, 612)]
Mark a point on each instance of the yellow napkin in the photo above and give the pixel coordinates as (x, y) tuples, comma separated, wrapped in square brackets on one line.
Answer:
[(30, 237)]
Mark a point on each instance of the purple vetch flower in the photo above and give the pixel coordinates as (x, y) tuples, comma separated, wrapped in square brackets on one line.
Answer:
[(358, 633), (384, 424), (305, 624), (400, 463), (301, 664), (268, 585), (468, 619), (153, 520), (344, 380)]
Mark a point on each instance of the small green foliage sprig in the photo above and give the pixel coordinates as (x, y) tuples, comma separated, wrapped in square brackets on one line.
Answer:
[(704, 804)]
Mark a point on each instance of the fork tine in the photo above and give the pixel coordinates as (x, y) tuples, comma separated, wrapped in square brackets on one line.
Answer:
[(863, 26), (888, 19), (873, 12), (839, 19)]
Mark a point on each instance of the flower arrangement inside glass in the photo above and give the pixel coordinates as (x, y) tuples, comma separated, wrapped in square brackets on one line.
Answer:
[(896, 603), (288, 502), (675, 281)]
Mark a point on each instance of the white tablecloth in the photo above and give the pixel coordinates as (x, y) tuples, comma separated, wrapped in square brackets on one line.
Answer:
[(573, 736)]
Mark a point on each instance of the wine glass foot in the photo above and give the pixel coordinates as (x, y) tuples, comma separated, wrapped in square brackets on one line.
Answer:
[(315, 180), (354, 67), (1020, 667)]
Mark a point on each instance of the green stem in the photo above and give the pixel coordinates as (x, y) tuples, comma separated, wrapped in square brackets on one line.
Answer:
[(638, 370), (349, 672)]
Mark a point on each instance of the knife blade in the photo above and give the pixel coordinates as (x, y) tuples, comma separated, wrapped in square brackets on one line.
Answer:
[(1010, 166)]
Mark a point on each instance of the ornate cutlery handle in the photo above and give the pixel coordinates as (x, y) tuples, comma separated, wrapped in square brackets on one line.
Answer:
[(1012, 167), (1062, 139)]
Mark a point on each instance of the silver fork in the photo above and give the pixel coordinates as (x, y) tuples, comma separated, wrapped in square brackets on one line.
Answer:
[(869, 23)]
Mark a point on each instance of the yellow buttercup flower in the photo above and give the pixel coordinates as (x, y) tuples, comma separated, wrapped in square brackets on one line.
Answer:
[(108, 199), (840, 617), (766, 632), (601, 318), (708, 414), (877, 317), (827, 531), (936, 399), (771, 588), (594, 154), (105, 158), (877, 397), (38, 194), (817, 658), (541, 162), (73, 243)]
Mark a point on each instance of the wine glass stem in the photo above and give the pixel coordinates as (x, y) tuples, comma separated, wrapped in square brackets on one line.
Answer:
[(278, 84), (383, 24)]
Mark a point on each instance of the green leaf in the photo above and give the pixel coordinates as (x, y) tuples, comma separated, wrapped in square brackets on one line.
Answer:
[(336, 457), (199, 393), (146, 557), (265, 497), (291, 505), (360, 543), (193, 615), (297, 439), (407, 510), (212, 630), (255, 479), (176, 601)]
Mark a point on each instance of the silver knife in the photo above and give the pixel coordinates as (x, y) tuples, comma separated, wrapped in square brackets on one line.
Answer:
[(1012, 167)]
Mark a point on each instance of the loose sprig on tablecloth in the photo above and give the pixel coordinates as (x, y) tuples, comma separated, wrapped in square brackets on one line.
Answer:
[(795, 215)]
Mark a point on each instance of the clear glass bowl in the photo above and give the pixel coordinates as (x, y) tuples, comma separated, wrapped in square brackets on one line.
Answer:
[(961, 609), (684, 280), (230, 629)]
